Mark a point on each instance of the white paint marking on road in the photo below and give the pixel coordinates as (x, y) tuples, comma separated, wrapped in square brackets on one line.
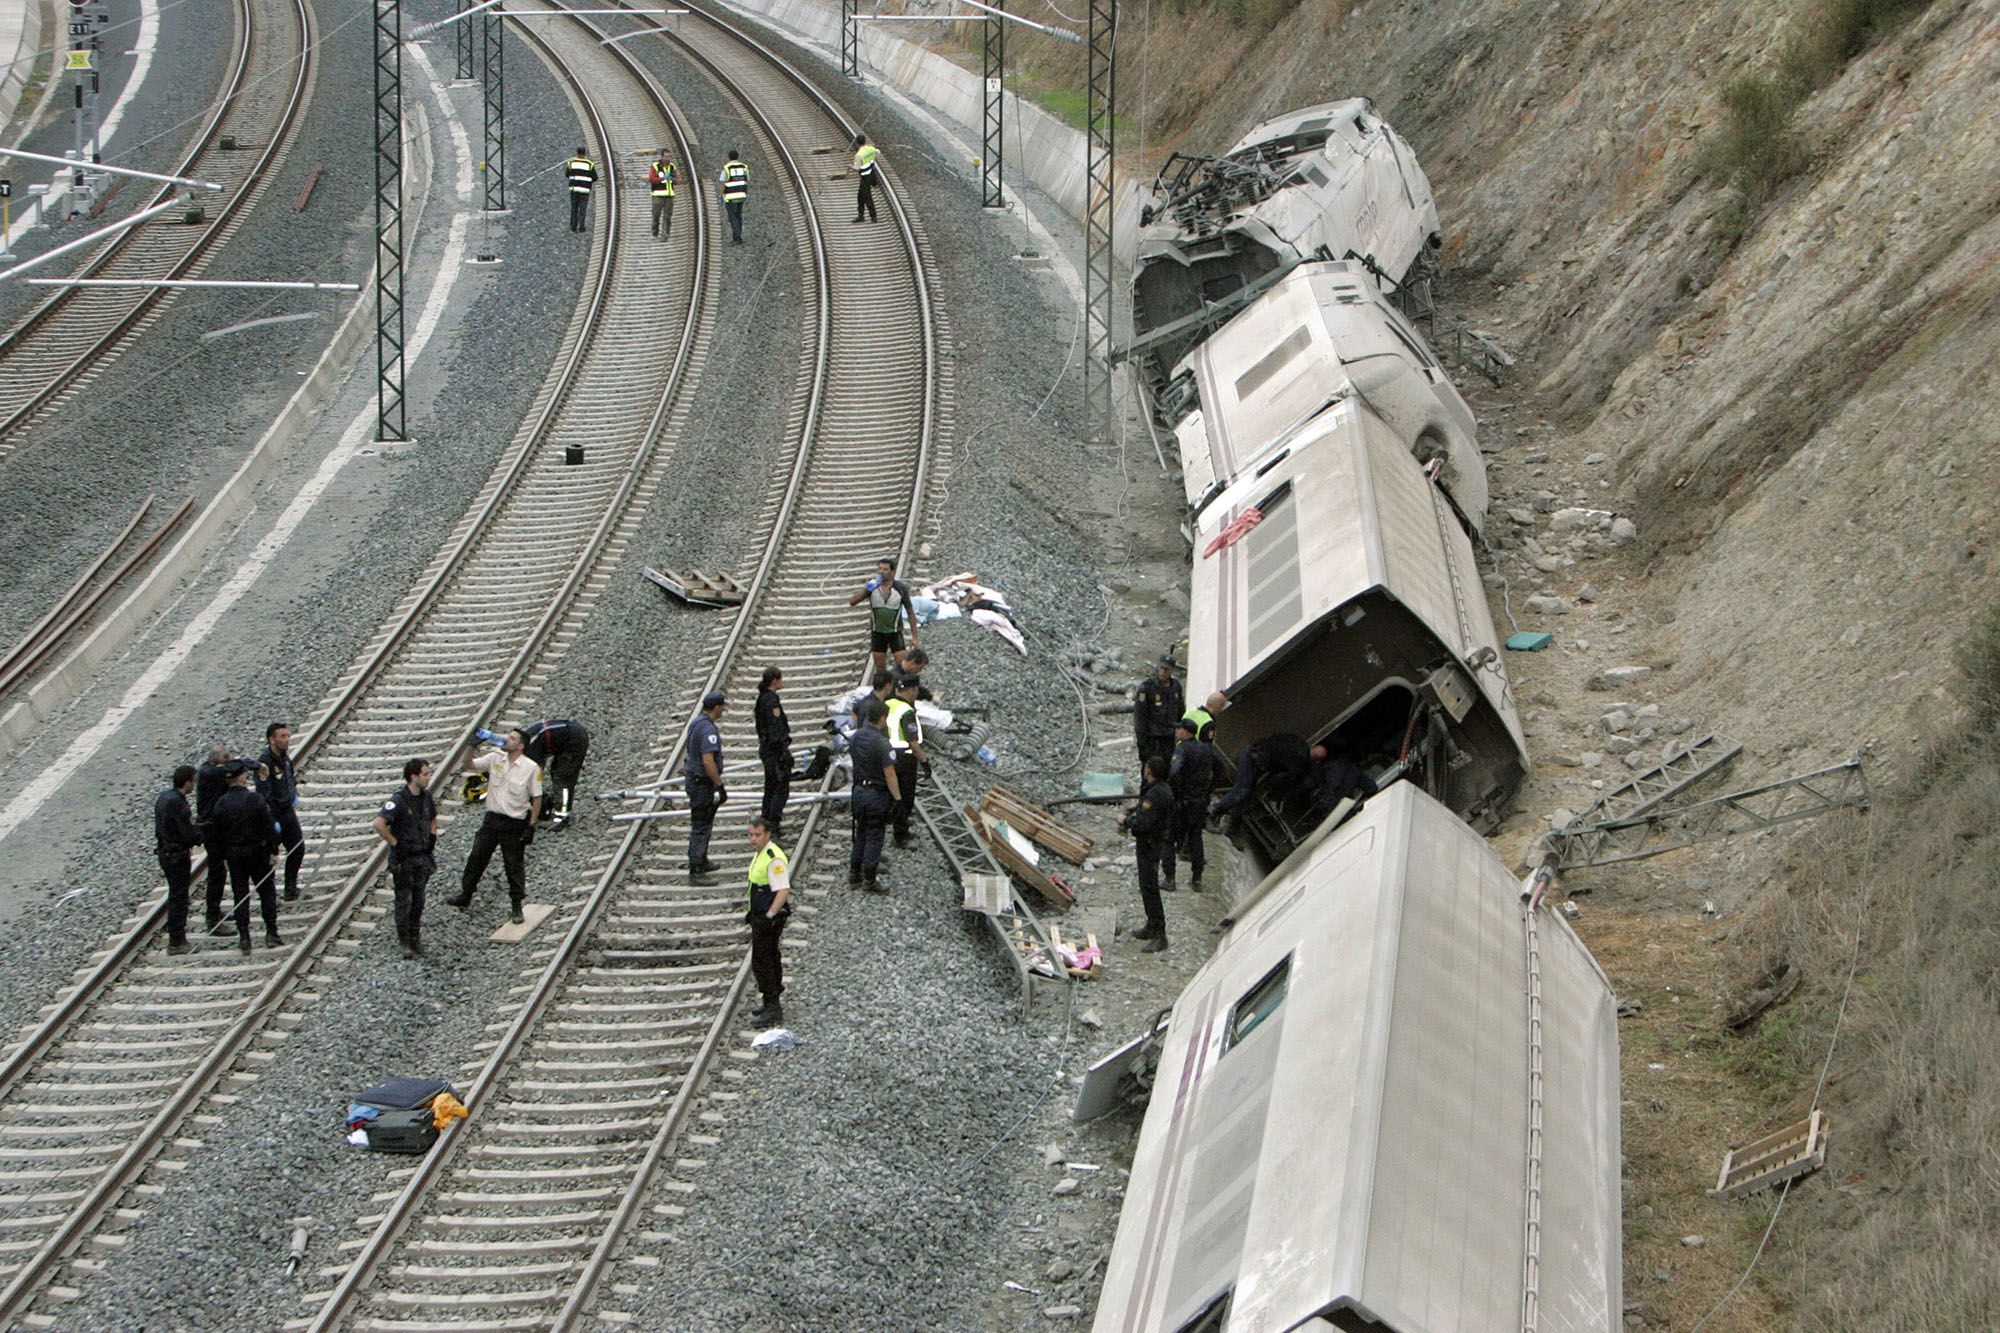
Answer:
[(359, 432)]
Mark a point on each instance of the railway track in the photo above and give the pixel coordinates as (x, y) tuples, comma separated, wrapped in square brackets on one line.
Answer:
[(96, 1093), (597, 1068), (65, 341)]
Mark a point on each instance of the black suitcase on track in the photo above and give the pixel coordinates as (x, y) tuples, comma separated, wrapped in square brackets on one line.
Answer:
[(408, 1131)]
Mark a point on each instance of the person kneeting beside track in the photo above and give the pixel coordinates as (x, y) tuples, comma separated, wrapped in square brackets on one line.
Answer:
[(249, 837), (559, 746), (770, 908), (174, 839), (513, 804), (408, 823)]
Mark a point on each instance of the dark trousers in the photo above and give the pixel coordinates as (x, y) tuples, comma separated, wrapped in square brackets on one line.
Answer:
[(1188, 818), (179, 869), (294, 839), (1239, 790), (565, 771), (218, 875), (701, 819), (906, 778), (869, 808), (765, 964), (410, 875), (777, 781), (663, 214), (734, 208), (248, 869), (1150, 852), (511, 837), (579, 210), (864, 198)]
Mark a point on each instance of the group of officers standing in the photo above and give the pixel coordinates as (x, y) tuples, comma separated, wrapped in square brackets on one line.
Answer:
[(733, 180)]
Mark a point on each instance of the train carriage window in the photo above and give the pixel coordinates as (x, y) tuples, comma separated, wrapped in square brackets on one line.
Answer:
[(1273, 361), (1258, 1004)]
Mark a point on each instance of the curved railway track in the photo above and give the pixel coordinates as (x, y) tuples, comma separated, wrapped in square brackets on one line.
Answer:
[(98, 1090), (62, 344), (598, 1065)]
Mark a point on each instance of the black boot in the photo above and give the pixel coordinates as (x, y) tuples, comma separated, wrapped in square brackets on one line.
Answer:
[(769, 1016), (463, 901), (179, 946), (854, 877), (516, 916), (1154, 944), (272, 940)]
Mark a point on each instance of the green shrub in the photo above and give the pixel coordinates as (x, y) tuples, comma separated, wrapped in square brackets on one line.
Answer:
[(1978, 661), (1756, 150)]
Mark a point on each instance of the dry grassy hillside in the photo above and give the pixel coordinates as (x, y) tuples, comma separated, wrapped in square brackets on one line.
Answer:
[(1748, 252)]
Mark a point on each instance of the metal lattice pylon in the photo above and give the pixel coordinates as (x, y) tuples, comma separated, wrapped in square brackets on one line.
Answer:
[(463, 39), (995, 51), (1101, 100), (389, 220), (494, 87), (850, 39)]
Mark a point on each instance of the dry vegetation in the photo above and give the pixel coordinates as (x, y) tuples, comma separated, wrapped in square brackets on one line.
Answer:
[(1902, 1229)]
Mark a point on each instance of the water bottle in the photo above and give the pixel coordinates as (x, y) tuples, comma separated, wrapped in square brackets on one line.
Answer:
[(984, 754), (490, 737)]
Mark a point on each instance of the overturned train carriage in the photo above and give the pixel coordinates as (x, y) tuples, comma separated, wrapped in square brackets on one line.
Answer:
[(1358, 1122), (1335, 595), (1323, 334), (1332, 181)]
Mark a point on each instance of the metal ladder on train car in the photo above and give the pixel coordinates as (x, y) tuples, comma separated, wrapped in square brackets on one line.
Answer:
[(1019, 930)]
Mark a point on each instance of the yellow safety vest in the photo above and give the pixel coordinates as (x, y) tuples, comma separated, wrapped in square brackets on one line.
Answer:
[(760, 864), (864, 159), (664, 185), (899, 711), (582, 175), (735, 181), (1202, 720)]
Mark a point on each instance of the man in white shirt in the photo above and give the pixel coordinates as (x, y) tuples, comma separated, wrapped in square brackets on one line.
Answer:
[(513, 804)]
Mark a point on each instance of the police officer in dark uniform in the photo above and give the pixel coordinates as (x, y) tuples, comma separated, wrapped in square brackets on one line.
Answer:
[(407, 821), (701, 770), (210, 781), (559, 746), (1192, 775), (249, 839), (770, 909), (876, 791), (1276, 765), (1151, 825), (1157, 705), (1335, 778), (279, 786), (774, 747), (175, 838)]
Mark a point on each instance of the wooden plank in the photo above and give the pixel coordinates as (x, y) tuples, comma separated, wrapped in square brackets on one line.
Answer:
[(1038, 824), (1774, 1159), (1012, 861), (509, 933), (312, 181)]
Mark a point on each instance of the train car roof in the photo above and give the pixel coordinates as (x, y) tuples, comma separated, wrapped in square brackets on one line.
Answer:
[(1341, 1116), (1345, 509), (1306, 120), (1322, 332)]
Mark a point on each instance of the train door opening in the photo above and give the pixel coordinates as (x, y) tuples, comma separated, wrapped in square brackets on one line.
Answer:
[(1373, 737)]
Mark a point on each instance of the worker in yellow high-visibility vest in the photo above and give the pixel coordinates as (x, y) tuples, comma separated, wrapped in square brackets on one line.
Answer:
[(735, 181), (660, 182), (581, 173), (865, 171)]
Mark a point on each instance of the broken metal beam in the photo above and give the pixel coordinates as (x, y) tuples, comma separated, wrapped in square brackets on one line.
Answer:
[(1675, 775), (1666, 829)]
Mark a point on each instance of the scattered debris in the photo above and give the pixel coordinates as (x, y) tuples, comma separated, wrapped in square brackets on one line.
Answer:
[(775, 1039), (1062, 1312), (699, 589), (1090, 1019), (1694, 1242), (1059, 1270), (1630, 1008), (1773, 988), (1067, 1185), (1529, 641), (1036, 823), (1015, 1286), (1052, 1154)]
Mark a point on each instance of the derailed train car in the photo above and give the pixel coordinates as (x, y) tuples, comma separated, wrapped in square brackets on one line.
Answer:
[(1335, 595), (1332, 181), (1323, 334), (1381, 1105)]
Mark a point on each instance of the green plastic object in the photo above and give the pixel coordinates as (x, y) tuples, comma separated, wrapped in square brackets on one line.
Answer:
[(1103, 784), (1529, 641)]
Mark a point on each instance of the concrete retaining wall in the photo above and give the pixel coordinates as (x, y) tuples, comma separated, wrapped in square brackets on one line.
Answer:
[(1046, 150), (185, 558), (30, 24)]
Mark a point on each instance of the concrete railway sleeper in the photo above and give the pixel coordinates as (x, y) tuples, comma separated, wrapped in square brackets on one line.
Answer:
[(66, 340), (596, 1079), (531, 554)]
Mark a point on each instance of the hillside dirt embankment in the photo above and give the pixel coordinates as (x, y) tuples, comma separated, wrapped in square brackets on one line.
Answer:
[(1791, 397)]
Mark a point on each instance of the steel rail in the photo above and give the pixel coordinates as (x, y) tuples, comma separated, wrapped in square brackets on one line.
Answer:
[(111, 1184), (561, 965), (76, 590), (227, 214), (20, 664)]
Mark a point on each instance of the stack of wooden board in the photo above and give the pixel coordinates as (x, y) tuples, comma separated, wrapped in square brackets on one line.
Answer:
[(698, 588), (1000, 810)]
